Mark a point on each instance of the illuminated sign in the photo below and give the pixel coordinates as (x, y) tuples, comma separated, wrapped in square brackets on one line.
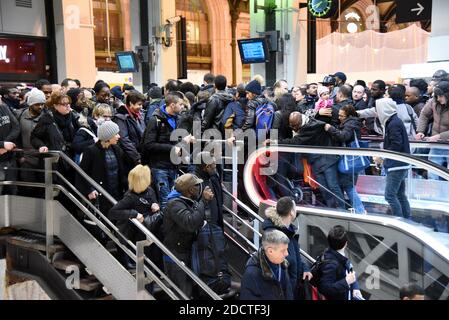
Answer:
[(22, 56), (3, 51)]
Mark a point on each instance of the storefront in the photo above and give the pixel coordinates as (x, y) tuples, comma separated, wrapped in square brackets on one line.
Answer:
[(27, 49), (23, 59)]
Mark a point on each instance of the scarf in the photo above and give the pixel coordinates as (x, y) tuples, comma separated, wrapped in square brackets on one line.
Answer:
[(135, 114)]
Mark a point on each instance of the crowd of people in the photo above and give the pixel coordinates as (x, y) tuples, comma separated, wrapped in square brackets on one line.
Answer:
[(122, 139)]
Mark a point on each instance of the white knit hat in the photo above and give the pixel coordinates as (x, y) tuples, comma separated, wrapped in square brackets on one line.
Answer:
[(35, 96), (322, 90), (107, 130)]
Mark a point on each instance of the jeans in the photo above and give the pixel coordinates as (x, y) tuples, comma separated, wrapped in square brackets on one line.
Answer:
[(395, 193), (164, 181), (328, 179), (348, 183), (438, 156)]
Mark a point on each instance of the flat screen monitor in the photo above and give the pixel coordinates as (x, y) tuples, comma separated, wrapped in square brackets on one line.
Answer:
[(126, 61), (253, 50)]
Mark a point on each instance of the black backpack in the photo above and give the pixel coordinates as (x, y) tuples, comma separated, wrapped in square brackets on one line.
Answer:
[(317, 269), (208, 258)]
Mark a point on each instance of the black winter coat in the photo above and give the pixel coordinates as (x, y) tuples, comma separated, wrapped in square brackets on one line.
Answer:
[(128, 208), (183, 217), (215, 206), (332, 283), (94, 164), (313, 134), (48, 133), (345, 134), (396, 139), (83, 139), (251, 108), (259, 283), (215, 108), (131, 133), (156, 144), (296, 267), (9, 130)]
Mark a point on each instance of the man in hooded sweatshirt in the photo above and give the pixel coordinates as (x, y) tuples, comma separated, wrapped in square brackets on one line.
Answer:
[(395, 139)]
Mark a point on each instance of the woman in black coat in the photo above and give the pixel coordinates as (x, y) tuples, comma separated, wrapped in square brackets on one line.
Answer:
[(103, 162), (139, 203)]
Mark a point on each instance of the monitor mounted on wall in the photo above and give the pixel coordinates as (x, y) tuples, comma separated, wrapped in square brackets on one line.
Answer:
[(126, 61), (253, 50)]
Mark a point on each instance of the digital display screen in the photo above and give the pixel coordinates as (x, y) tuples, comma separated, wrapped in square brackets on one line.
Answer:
[(126, 62), (253, 50)]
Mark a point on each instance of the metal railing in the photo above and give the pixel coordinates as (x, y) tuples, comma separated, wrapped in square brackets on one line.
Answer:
[(49, 186)]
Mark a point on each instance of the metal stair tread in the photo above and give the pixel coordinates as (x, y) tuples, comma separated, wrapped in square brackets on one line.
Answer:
[(35, 244), (89, 284), (64, 264)]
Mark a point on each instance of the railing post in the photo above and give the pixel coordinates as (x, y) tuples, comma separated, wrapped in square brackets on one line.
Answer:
[(235, 182), (49, 205), (142, 294)]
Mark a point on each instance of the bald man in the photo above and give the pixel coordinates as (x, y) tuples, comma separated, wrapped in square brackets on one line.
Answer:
[(311, 132), (357, 97), (413, 98)]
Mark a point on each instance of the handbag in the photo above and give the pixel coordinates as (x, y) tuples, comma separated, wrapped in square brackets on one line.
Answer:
[(354, 164)]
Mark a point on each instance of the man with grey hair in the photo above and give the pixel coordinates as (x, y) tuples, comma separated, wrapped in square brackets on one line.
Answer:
[(266, 275)]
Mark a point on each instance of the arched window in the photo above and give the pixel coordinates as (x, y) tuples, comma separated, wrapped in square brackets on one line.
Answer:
[(198, 35), (109, 32)]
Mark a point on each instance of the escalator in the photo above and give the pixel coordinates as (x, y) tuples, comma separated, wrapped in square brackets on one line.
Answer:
[(387, 251)]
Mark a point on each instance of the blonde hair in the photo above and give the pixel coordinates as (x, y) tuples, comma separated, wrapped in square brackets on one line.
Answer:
[(100, 110), (139, 179)]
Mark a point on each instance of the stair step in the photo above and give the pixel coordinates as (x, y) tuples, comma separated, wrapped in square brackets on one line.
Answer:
[(35, 243), (64, 264), (89, 284)]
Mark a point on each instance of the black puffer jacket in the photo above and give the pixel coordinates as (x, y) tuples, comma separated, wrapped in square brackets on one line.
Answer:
[(214, 110), (129, 207), (9, 130), (131, 133), (183, 217), (156, 144)]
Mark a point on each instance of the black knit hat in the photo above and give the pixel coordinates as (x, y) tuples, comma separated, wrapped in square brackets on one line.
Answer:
[(442, 89), (254, 87)]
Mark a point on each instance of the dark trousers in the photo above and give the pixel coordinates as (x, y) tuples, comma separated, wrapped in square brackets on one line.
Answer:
[(395, 193), (178, 276), (8, 172), (330, 188)]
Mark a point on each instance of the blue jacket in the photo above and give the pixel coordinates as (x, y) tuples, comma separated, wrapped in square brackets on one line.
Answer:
[(396, 139), (332, 283), (260, 283), (296, 267), (236, 109)]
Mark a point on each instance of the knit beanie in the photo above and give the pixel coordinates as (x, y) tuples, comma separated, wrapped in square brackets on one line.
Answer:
[(107, 130), (73, 94), (254, 87), (322, 90), (35, 96)]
